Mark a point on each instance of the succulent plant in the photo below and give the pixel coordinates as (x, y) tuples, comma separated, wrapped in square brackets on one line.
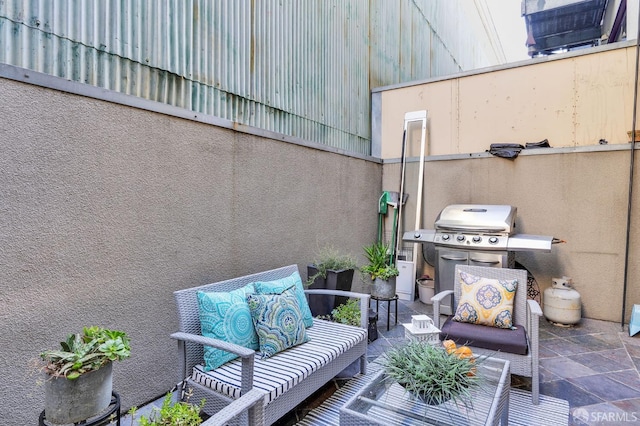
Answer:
[(81, 353)]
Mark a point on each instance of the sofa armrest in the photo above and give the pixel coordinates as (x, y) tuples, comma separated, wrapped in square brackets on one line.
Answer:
[(534, 308), (252, 402), (533, 321), (436, 305), (216, 343), (246, 354), (364, 301)]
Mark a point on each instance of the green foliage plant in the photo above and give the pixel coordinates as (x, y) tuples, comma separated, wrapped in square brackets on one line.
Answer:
[(380, 262), (347, 313), (181, 413), (430, 373), (86, 351), (330, 259)]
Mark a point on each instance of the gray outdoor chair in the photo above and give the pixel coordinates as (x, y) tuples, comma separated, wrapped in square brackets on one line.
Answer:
[(519, 346)]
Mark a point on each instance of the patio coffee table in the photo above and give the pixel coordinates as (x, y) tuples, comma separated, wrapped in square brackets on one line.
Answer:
[(381, 402)]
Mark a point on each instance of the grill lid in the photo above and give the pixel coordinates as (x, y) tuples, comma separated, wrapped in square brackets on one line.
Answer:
[(479, 227), (477, 218)]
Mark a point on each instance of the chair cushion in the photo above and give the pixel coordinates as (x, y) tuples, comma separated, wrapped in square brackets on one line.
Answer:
[(277, 320), (226, 316), (280, 285), (485, 301), (512, 340), (279, 373)]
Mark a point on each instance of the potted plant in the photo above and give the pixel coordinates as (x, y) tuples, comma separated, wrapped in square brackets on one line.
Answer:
[(79, 375), (172, 413), (380, 270), (433, 373), (331, 270), (347, 313)]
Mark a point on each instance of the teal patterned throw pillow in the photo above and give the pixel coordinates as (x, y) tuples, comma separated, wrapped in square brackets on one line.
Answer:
[(226, 316), (280, 285), (278, 321)]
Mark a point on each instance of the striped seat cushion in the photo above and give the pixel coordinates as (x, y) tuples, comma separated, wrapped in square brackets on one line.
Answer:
[(279, 373)]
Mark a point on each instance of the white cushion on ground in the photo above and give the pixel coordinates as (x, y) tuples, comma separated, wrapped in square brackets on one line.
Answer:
[(279, 373)]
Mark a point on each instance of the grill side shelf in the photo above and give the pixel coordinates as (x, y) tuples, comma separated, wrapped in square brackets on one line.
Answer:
[(525, 242)]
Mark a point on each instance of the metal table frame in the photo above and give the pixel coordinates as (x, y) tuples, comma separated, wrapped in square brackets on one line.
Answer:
[(384, 403)]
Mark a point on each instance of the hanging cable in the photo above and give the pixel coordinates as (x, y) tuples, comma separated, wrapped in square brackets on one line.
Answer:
[(631, 173)]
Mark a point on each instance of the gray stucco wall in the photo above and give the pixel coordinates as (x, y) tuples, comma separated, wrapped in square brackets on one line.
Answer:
[(107, 209)]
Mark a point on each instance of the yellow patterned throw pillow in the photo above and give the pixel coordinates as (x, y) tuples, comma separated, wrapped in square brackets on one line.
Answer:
[(486, 301)]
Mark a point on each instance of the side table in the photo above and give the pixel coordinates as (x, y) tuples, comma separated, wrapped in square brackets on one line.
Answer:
[(384, 402), (106, 418), (388, 300)]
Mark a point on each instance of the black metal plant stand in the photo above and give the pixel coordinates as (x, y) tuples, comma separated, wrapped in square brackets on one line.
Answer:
[(388, 300), (112, 413)]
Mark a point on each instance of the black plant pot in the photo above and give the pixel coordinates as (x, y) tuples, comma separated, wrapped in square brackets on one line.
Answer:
[(373, 326), (336, 280), (432, 400)]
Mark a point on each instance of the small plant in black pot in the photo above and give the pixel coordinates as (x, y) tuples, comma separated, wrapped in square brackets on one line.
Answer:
[(332, 270), (347, 313), (172, 413)]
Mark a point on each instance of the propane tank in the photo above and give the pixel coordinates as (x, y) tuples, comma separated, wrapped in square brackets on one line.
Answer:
[(562, 303)]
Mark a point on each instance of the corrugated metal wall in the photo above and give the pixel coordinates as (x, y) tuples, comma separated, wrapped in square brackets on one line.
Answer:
[(301, 68)]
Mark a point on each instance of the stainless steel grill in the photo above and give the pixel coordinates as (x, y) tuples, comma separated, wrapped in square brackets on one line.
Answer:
[(475, 234)]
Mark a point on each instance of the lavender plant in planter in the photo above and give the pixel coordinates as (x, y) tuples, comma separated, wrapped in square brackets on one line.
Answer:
[(330, 270)]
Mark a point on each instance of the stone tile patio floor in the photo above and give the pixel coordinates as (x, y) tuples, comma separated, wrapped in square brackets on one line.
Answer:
[(593, 365)]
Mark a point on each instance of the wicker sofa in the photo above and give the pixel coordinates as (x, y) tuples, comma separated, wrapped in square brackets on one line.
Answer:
[(284, 379)]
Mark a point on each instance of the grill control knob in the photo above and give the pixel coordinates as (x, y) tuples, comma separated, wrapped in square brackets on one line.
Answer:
[(460, 238), (477, 239), (445, 237), (493, 240)]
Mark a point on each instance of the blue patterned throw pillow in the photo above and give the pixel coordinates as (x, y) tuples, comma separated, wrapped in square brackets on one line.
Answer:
[(280, 285), (277, 320), (226, 316)]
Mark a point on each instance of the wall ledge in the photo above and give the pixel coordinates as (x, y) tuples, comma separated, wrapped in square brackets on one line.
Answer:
[(541, 59), (27, 76), (523, 153)]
